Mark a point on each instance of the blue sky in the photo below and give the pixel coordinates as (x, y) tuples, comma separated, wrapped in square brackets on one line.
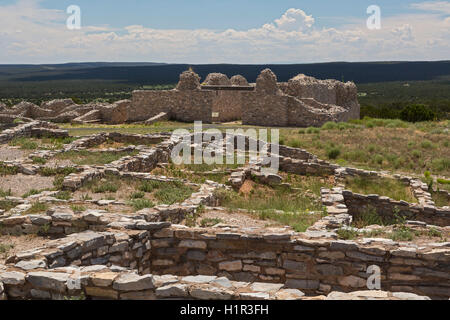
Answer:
[(223, 31), (221, 14)]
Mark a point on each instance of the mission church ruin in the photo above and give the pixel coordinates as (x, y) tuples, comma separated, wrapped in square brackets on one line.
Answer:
[(301, 102)]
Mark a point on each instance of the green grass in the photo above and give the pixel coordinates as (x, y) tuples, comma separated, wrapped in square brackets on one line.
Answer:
[(106, 187), (7, 170), (63, 195), (299, 221), (77, 208), (24, 143), (391, 188), (38, 160), (288, 207), (139, 204), (37, 207), (5, 248), (171, 193), (210, 222), (367, 217), (137, 195), (47, 171), (403, 233), (347, 234), (6, 205), (31, 193), (167, 192), (86, 157), (6, 193), (441, 200)]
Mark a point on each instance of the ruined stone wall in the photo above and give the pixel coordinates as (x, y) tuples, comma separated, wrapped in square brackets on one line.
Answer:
[(187, 106), (262, 110), (228, 105), (312, 266), (292, 104), (388, 209)]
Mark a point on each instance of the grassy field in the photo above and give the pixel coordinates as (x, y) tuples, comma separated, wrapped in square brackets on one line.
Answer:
[(376, 144)]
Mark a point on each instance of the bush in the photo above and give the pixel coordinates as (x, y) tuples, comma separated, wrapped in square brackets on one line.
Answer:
[(417, 113), (333, 153), (139, 204)]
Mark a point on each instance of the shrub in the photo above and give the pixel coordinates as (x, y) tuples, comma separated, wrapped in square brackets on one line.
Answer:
[(30, 193), (38, 160), (416, 153), (378, 159), (295, 143), (149, 186), (443, 181), (440, 164), (417, 113), (137, 195), (333, 153), (402, 234), (63, 195), (368, 217), (107, 187), (312, 130), (6, 193), (139, 204), (347, 234), (426, 144), (37, 207), (209, 222), (330, 125)]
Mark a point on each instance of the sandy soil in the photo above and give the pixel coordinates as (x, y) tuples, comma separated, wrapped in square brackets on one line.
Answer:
[(9, 153), (20, 183), (10, 245), (239, 219)]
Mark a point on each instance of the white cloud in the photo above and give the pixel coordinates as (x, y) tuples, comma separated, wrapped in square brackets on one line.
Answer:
[(31, 34), (434, 6), (404, 32), (294, 20)]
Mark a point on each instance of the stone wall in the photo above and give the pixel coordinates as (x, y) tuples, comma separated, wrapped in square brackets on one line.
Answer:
[(270, 106), (187, 106), (388, 208), (228, 105), (32, 129), (311, 265)]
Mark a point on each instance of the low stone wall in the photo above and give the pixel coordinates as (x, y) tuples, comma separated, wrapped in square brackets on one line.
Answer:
[(32, 129), (311, 265), (388, 208)]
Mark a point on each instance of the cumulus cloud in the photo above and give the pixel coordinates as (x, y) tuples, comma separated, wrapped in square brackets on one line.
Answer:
[(294, 20), (32, 34)]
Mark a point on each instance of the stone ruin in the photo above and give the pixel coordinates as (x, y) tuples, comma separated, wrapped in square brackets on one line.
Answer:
[(150, 254), (301, 102), (65, 110)]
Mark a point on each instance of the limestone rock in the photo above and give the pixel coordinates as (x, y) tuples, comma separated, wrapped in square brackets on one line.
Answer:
[(133, 282)]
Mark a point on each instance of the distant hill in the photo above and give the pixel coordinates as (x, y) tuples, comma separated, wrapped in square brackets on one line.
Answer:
[(158, 73)]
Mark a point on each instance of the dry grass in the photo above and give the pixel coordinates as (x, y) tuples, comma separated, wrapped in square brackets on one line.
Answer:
[(407, 149)]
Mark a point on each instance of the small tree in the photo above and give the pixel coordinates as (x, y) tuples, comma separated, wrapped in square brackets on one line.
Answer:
[(416, 113)]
